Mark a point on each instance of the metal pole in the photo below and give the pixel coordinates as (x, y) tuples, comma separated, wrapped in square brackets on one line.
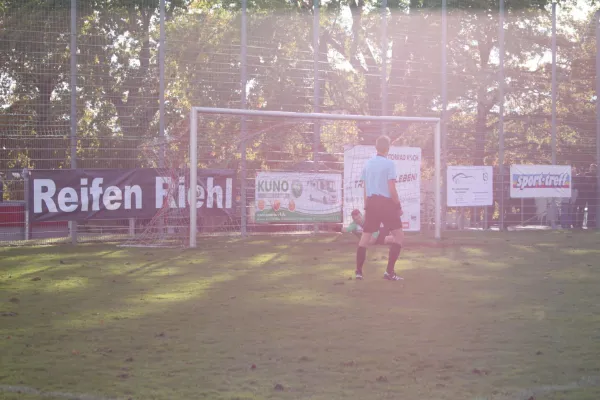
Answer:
[(384, 51), (28, 205), (597, 15), (243, 79), (161, 105), (444, 83), (522, 215), (437, 178), (485, 216), (554, 83), (554, 210), (501, 112), (317, 86), (317, 94), (73, 50), (193, 175)]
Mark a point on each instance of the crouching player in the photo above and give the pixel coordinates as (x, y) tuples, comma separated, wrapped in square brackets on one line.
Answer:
[(382, 236)]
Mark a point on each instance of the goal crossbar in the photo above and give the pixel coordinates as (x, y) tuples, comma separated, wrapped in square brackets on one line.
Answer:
[(312, 116), (299, 115)]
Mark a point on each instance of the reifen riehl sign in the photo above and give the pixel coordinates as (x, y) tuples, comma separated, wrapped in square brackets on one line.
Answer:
[(83, 194)]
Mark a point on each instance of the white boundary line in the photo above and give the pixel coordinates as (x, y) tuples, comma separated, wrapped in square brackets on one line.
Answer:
[(583, 383), (64, 395)]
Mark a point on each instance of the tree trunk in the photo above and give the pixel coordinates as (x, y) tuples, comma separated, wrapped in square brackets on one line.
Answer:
[(49, 153), (483, 104), (480, 134)]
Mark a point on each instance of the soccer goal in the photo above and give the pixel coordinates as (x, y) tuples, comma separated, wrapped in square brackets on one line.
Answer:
[(267, 171)]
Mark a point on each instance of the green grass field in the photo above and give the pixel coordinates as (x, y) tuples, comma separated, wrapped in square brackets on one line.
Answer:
[(483, 316)]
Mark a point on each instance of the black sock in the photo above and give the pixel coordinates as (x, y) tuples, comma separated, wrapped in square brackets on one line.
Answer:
[(361, 254), (393, 256)]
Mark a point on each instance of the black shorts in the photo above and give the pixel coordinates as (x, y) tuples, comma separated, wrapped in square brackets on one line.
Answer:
[(381, 210)]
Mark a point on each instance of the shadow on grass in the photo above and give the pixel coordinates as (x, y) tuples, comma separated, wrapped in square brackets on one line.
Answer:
[(468, 321)]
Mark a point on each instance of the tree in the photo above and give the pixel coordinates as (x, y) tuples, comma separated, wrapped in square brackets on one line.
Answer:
[(119, 47), (34, 64)]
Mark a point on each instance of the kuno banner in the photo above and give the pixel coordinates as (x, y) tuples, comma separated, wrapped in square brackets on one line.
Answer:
[(298, 197), (408, 182), (527, 181)]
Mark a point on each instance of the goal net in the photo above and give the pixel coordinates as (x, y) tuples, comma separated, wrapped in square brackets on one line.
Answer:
[(169, 227), (287, 172), (255, 173)]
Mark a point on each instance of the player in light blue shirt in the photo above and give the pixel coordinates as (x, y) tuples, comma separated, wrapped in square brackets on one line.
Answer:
[(373, 172), (382, 206)]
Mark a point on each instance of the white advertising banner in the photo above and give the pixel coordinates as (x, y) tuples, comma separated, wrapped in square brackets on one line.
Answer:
[(528, 181), (408, 182), (298, 197), (469, 186)]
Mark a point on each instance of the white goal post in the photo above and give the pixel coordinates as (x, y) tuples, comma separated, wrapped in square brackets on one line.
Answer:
[(193, 139)]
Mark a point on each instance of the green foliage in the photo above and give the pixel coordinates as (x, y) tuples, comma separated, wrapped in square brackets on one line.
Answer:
[(118, 74)]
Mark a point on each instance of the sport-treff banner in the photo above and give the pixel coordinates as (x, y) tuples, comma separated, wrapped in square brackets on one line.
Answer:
[(85, 194), (408, 181), (527, 181), (298, 197)]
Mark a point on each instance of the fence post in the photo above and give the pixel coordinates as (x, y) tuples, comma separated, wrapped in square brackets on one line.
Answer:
[(161, 101), (27, 205), (161, 107), (384, 51), (444, 144), (597, 17), (554, 82), (131, 227), (501, 112), (244, 82), (316, 94), (437, 178), (73, 51), (553, 138), (485, 217), (193, 177)]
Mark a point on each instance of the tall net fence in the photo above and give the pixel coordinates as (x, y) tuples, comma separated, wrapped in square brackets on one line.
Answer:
[(136, 80), (35, 112)]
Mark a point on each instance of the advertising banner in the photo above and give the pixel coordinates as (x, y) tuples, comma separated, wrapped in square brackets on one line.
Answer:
[(528, 181), (298, 197), (469, 186), (85, 194), (408, 182)]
